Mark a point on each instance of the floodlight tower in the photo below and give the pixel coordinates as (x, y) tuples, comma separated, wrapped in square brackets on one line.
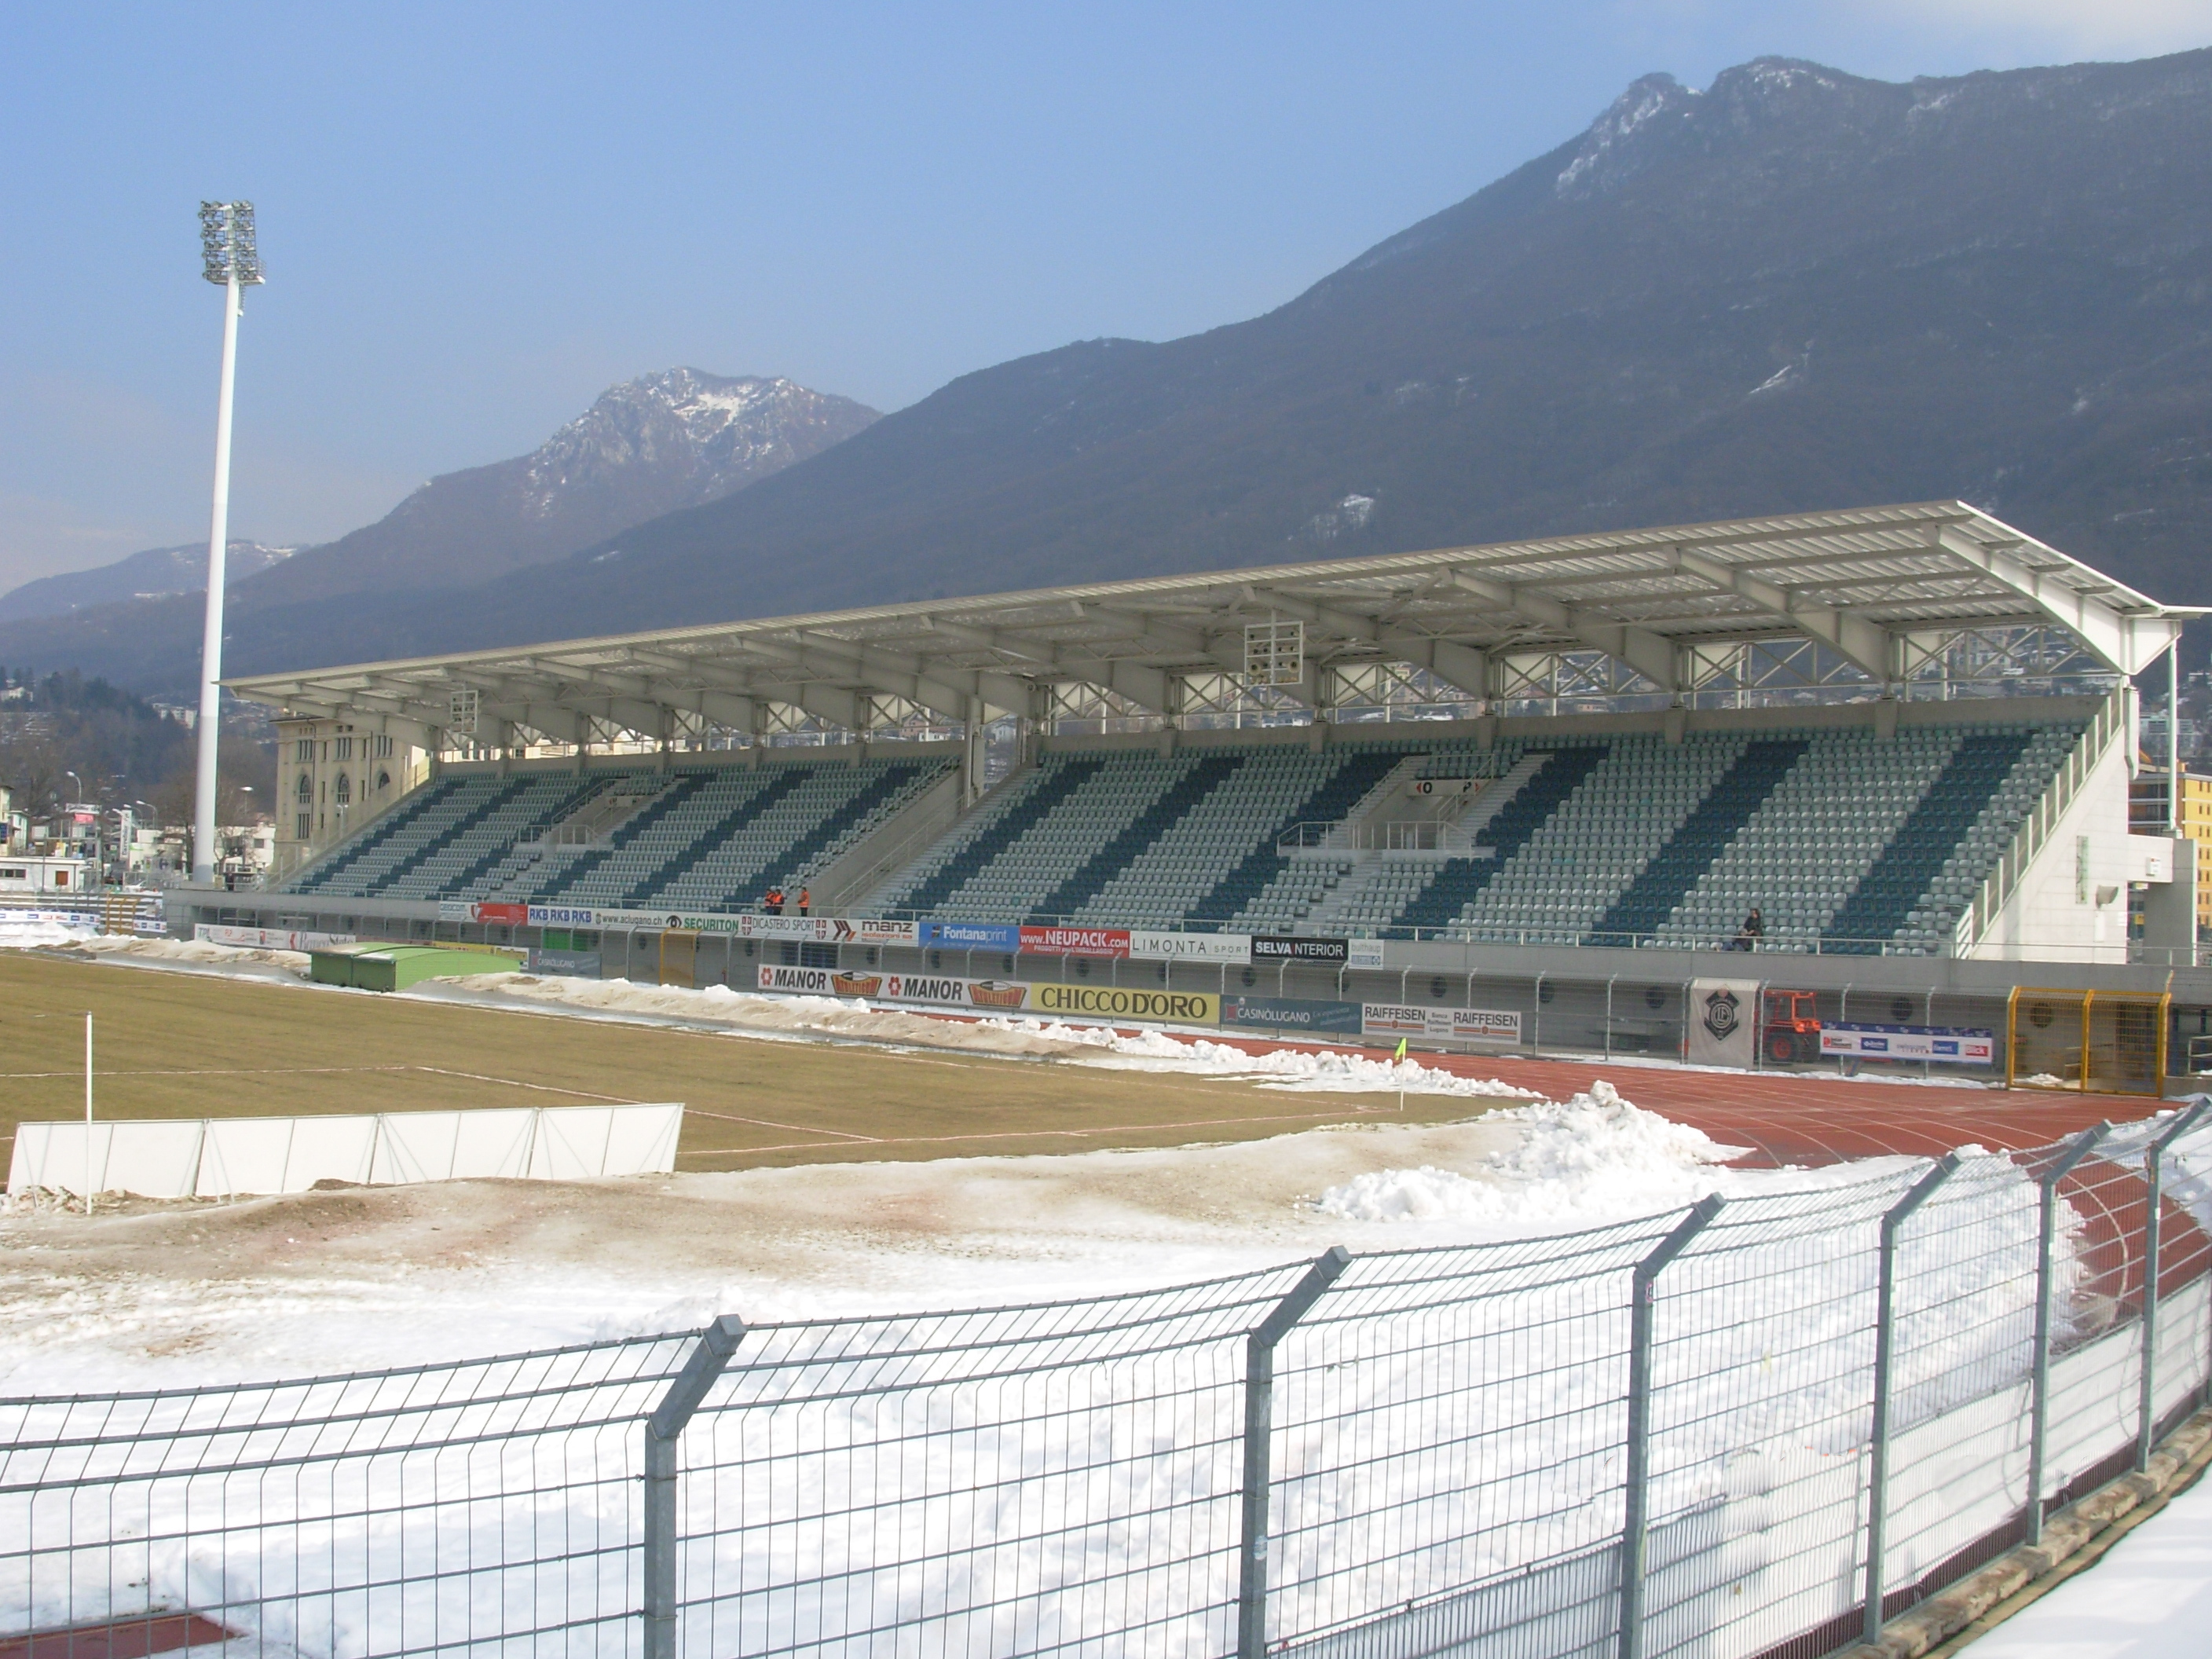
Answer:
[(229, 259)]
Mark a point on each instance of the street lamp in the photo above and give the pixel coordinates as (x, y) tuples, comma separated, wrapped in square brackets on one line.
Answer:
[(229, 259)]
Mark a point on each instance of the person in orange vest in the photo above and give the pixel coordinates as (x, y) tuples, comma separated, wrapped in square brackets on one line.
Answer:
[(803, 899), (775, 901)]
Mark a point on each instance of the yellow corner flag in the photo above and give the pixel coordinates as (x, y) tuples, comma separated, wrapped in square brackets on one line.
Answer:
[(1401, 1050)]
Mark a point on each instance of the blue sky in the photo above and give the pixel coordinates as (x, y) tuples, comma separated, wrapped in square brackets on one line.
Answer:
[(474, 217)]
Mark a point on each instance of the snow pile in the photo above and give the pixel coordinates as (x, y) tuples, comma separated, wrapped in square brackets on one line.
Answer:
[(198, 953), (1326, 1069), (21, 934), (1581, 1161)]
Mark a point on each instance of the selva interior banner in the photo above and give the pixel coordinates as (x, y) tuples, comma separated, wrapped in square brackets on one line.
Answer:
[(1293, 947), (990, 996), (1389, 1019), (1952, 1045), (1723, 1029), (1190, 947), (1291, 1016), (972, 935), (1127, 1002), (1075, 941)]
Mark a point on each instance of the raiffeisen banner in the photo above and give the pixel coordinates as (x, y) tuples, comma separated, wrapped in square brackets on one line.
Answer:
[(1075, 941)]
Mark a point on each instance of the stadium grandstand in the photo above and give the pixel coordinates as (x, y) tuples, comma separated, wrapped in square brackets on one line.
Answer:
[(1900, 732)]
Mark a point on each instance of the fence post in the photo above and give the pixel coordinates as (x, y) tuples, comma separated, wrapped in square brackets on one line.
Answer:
[(1639, 1417), (1885, 1342), (1259, 1422), (2153, 1171), (664, 1435), (2039, 1410)]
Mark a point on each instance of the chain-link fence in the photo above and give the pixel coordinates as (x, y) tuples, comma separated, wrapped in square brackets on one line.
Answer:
[(1745, 1429)]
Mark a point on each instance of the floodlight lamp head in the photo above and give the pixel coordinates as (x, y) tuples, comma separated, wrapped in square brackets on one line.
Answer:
[(227, 252)]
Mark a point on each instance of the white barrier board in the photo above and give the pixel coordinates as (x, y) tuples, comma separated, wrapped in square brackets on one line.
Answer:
[(218, 1158)]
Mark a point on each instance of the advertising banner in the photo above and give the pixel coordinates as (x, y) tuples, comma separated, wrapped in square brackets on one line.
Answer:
[(562, 915), (1075, 941), (972, 935), (1292, 947), (574, 964), (517, 914), (1363, 953), (875, 932), (456, 910), (269, 938), (1951, 1045), (1190, 947), (984, 996), (1724, 1024), (1291, 1016), (1390, 1019), (1126, 1002)]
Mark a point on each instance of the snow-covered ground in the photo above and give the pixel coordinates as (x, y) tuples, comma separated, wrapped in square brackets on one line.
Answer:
[(2149, 1598), (188, 1293)]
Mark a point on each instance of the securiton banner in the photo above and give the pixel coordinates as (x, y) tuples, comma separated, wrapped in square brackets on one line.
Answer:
[(1291, 1016), (1390, 1019), (269, 938), (989, 996), (972, 935), (1293, 947), (1952, 1045), (1190, 947), (1125, 1002), (1075, 941), (1722, 1024)]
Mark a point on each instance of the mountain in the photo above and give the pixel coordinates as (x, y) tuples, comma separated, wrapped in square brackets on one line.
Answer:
[(672, 440), (151, 574), (1795, 289), (647, 448)]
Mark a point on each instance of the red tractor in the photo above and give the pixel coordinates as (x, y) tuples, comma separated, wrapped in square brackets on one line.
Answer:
[(1789, 1029)]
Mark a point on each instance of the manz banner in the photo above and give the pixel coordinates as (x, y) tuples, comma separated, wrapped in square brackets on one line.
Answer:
[(1947, 1045), (1391, 1019)]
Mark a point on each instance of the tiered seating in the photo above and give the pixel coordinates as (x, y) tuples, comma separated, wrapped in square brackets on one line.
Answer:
[(516, 807), (1456, 884), (1191, 870), (1930, 871), (924, 886), (786, 840), (1700, 836), (422, 816), (1259, 894), (1819, 831)]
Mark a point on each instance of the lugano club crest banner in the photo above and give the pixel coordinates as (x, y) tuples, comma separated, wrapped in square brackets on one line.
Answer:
[(1722, 1021)]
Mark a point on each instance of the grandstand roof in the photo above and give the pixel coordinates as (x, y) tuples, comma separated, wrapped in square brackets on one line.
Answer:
[(1879, 587)]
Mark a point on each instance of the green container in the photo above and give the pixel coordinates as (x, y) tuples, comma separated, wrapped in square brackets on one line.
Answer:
[(396, 967)]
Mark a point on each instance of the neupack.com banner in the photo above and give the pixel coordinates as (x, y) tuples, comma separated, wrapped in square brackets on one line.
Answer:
[(1075, 941)]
